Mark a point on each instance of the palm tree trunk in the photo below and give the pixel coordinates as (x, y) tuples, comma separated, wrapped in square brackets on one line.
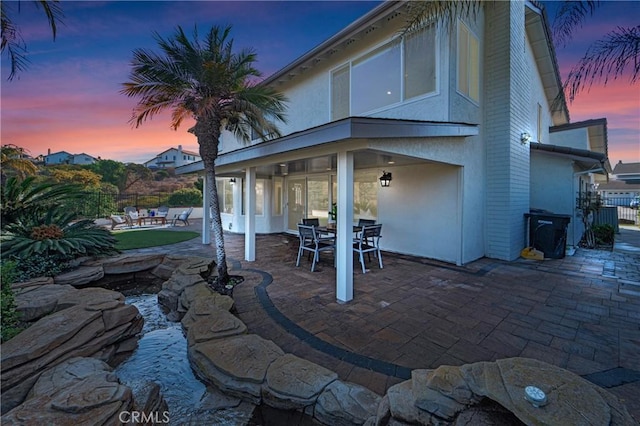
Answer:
[(207, 130), (214, 204)]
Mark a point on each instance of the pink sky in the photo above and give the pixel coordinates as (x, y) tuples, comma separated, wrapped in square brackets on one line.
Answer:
[(68, 99)]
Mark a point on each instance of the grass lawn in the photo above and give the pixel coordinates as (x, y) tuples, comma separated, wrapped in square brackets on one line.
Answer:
[(128, 240)]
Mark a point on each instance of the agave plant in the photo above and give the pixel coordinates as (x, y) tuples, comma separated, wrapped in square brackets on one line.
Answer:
[(55, 234)]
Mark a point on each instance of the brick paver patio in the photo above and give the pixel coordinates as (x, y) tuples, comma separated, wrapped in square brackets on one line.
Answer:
[(575, 312)]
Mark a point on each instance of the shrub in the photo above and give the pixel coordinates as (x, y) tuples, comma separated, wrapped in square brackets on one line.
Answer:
[(37, 265), (9, 318), (185, 197), (605, 234)]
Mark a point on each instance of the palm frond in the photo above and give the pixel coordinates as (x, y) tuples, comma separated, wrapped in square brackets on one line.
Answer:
[(606, 59), (570, 15), (445, 12)]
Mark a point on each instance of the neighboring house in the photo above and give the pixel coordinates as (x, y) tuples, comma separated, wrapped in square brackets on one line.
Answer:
[(624, 185), (446, 113), (63, 157), (173, 157)]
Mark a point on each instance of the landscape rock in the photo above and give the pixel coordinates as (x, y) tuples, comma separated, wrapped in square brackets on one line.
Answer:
[(90, 322), (127, 263), (402, 405), (236, 365), (294, 383), (219, 324), (205, 307), (79, 391), (36, 301), (80, 276), (346, 404)]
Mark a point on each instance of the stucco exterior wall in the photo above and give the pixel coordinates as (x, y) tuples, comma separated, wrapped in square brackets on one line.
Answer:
[(553, 187), (426, 225), (572, 138)]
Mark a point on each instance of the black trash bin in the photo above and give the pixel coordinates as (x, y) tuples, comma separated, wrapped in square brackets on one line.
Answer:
[(548, 232)]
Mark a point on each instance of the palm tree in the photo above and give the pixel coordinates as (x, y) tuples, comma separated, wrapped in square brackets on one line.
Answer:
[(607, 58), (11, 39), (12, 162), (205, 80)]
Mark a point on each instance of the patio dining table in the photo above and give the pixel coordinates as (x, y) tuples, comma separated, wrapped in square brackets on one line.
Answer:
[(332, 229)]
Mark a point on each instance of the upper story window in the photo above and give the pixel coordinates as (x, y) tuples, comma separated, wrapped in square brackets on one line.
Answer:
[(468, 63), (389, 74), (375, 79)]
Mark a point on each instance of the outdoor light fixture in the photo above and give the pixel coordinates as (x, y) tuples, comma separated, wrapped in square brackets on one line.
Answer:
[(385, 179), (524, 138), (232, 181)]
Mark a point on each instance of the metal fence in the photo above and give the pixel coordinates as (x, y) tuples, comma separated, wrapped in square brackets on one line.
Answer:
[(95, 205), (625, 207)]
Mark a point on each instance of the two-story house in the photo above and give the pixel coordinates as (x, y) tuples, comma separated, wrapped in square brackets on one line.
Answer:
[(452, 115), (63, 157), (172, 157)]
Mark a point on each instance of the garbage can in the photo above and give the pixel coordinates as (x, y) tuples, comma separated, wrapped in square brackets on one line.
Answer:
[(548, 232)]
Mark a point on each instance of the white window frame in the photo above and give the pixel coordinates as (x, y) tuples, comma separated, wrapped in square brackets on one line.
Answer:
[(387, 44), (466, 74)]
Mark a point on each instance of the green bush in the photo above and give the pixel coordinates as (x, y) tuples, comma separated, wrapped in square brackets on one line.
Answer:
[(605, 234), (37, 265), (9, 321), (185, 197)]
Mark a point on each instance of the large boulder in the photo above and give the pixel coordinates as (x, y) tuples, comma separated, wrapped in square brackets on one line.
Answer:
[(346, 404), (90, 322), (219, 324), (78, 391), (453, 394), (293, 383), (236, 365)]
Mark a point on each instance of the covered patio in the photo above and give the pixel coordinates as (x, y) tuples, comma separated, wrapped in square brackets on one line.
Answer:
[(433, 180)]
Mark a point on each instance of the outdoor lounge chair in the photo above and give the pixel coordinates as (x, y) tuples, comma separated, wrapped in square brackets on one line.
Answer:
[(117, 220), (182, 217), (311, 241)]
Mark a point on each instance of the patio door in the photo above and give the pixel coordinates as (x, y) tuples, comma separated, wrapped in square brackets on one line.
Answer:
[(296, 202)]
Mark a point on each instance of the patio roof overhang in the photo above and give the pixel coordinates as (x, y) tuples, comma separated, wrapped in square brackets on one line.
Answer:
[(358, 132), (584, 158)]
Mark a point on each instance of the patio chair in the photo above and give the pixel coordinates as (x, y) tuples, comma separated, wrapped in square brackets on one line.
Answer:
[(117, 220), (311, 221), (182, 217), (366, 222), (311, 242), (163, 211), (131, 215), (361, 244)]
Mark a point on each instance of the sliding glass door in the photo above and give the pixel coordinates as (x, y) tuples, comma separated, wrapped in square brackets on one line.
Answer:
[(296, 201)]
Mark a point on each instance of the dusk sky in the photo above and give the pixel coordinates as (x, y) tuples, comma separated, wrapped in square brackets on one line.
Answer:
[(68, 98)]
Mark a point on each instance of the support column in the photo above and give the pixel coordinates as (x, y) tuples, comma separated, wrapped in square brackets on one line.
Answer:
[(206, 211), (250, 215), (344, 240)]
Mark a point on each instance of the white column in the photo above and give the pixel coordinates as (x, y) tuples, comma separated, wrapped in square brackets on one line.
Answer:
[(250, 216), (206, 211), (344, 240)]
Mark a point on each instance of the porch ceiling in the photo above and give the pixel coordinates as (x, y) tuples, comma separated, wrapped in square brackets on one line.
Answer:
[(314, 150)]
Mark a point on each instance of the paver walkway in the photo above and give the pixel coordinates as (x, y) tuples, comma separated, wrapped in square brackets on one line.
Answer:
[(581, 313)]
